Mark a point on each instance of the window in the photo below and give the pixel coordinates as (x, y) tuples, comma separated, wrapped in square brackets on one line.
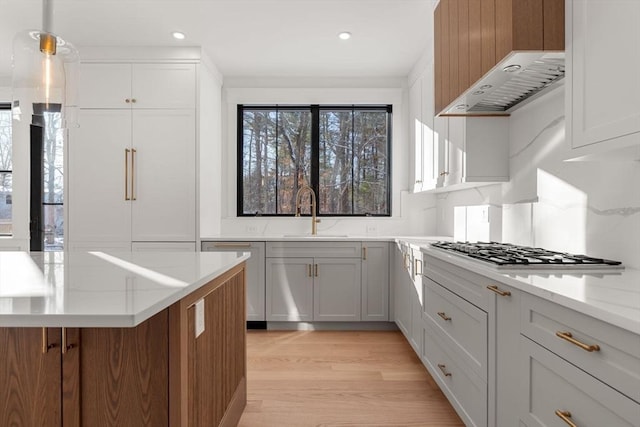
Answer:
[(342, 152), (6, 167)]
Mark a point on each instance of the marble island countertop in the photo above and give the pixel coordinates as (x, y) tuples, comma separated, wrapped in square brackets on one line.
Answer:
[(100, 289), (612, 296)]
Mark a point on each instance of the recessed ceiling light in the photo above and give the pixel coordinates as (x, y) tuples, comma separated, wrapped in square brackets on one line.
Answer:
[(345, 35), (178, 35)]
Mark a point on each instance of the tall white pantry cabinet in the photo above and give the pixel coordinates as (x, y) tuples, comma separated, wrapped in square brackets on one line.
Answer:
[(132, 161)]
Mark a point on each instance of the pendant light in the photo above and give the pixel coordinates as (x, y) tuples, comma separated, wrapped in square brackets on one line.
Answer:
[(44, 77)]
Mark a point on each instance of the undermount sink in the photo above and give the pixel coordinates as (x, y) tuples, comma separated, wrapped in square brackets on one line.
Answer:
[(316, 235)]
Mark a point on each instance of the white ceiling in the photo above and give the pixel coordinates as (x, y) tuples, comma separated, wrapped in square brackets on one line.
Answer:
[(245, 37)]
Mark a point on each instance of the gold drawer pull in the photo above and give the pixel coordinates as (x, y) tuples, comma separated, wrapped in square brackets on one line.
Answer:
[(443, 315), (497, 290), (568, 337), (443, 368), (45, 342), (565, 415)]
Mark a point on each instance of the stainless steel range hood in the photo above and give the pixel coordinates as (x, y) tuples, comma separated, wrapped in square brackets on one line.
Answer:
[(516, 80)]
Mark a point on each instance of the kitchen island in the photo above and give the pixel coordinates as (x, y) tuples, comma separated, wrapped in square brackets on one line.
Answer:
[(122, 339)]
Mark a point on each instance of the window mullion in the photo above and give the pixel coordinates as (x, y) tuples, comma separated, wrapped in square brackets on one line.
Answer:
[(315, 154)]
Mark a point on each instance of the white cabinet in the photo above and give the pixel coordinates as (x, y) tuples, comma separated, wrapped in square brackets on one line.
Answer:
[(602, 69), (312, 282), (408, 297), (255, 273), (137, 86), (289, 289), (375, 281), (557, 393), (471, 151), (402, 289), (132, 170), (424, 149)]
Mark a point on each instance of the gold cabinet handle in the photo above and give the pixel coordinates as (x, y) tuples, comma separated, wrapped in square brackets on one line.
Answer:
[(309, 270), (133, 171), (444, 316), (417, 262), (126, 174), (567, 336), (65, 346), (231, 245), (127, 100), (315, 269), (497, 290), (443, 368), (45, 342), (133, 100), (565, 416), (364, 253), (444, 173)]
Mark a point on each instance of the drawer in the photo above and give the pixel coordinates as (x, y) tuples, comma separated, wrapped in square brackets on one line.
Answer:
[(552, 384), (314, 249), (466, 391), (616, 363), (462, 324), (469, 286)]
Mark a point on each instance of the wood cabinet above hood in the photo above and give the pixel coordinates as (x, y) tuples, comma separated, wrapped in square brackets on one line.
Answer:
[(476, 39)]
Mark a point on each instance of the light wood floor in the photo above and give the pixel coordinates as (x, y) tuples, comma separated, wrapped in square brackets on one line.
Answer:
[(345, 379)]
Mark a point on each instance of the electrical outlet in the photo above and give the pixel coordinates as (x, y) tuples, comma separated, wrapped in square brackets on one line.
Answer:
[(252, 229), (371, 228), (199, 317)]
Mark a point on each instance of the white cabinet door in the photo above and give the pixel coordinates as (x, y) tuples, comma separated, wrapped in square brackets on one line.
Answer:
[(429, 142), (98, 211), (289, 289), (401, 291), (255, 274), (164, 86), (336, 289), (164, 178), (504, 334), (375, 281), (454, 167), (603, 65), (105, 86), (415, 133)]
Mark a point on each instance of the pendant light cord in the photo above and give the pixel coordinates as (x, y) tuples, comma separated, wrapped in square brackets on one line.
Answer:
[(47, 16)]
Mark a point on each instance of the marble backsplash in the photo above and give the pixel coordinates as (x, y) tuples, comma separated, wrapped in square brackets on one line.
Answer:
[(580, 207)]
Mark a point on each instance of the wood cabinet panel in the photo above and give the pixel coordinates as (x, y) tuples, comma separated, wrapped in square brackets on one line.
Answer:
[(217, 362), (475, 42), (437, 62), (454, 36), (124, 374), (488, 30), (553, 17), (445, 54), (463, 45), (30, 383)]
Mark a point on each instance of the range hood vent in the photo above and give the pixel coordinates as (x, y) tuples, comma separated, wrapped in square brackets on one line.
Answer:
[(516, 80)]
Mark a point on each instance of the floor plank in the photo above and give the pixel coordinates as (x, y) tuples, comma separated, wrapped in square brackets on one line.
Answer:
[(340, 379)]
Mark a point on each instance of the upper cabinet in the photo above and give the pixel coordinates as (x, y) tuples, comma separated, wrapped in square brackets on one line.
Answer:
[(474, 38), (137, 86), (603, 83)]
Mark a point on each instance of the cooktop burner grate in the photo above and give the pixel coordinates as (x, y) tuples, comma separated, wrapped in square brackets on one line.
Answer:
[(508, 256)]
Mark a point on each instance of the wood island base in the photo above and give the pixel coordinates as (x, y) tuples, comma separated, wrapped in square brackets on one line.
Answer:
[(155, 374)]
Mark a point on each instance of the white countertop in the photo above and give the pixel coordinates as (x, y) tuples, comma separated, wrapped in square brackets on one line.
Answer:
[(612, 296), (320, 237), (100, 289)]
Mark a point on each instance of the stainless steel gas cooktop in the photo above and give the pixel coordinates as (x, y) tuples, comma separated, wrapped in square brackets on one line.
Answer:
[(508, 256)]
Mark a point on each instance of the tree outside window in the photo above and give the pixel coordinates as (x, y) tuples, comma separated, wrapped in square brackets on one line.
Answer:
[(6, 166), (342, 152)]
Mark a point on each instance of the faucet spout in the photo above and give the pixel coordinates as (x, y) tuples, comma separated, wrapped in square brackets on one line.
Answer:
[(314, 221)]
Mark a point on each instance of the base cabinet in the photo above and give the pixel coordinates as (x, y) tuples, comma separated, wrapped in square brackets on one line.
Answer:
[(375, 281), (156, 374), (255, 273), (313, 289)]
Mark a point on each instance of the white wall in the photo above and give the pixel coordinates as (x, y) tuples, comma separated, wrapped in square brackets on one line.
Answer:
[(20, 174), (579, 207), (407, 210)]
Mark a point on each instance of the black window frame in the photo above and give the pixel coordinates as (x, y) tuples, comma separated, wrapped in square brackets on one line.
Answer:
[(315, 150), (7, 106)]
